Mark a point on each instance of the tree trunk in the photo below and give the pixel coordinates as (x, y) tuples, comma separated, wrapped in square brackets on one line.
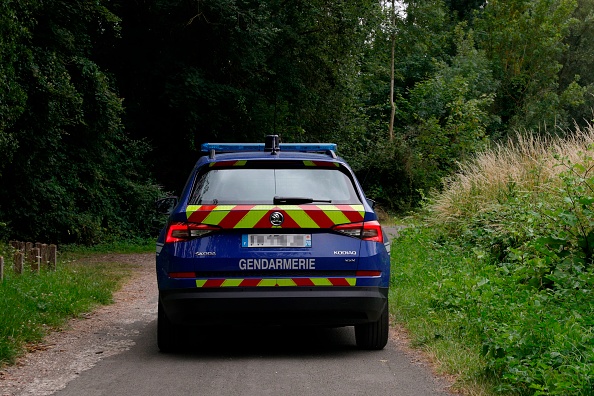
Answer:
[(392, 104)]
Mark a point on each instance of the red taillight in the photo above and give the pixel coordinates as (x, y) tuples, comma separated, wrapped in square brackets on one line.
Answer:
[(369, 273), (368, 230), (182, 274), (178, 232)]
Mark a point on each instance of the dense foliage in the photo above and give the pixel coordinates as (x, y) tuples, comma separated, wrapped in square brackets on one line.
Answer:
[(68, 171), (102, 100), (511, 275), (495, 277)]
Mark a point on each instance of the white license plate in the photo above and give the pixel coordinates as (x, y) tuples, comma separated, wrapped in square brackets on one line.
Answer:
[(276, 240)]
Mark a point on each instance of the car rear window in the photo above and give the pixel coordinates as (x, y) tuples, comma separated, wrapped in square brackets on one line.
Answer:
[(260, 186)]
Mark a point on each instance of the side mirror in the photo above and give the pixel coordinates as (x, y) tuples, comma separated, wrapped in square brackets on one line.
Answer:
[(165, 206)]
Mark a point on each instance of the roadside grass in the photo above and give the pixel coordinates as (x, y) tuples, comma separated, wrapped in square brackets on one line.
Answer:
[(33, 304), (495, 277), (419, 261), (139, 245)]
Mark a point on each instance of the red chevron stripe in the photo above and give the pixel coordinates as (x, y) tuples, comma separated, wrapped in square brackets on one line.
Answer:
[(214, 283), (200, 214), (303, 282), (321, 218), (351, 214), (289, 222), (235, 216), (338, 282), (251, 282)]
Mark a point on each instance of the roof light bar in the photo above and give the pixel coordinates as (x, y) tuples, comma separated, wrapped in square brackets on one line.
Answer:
[(245, 147)]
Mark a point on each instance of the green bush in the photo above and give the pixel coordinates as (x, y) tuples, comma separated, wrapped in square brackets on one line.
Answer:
[(523, 295)]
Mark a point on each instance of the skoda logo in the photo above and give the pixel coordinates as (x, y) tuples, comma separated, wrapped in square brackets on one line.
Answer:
[(276, 218)]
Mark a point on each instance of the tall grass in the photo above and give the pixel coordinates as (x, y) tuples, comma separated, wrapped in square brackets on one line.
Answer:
[(510, 276), (526, 163)]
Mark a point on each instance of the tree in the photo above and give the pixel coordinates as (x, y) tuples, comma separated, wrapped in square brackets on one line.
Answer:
[(75, 176), (524, 39), (451, 112), (12, 96), (236, 70), (578, 62)]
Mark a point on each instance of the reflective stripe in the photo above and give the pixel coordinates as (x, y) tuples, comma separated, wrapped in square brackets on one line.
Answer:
[(300, 216), (227, 163), (321, 282), (267, 283), (231, 282), (253, 216), (274, 282), (321, 163), (336, 215), (216, 216), (285, 282), (200, 282), (257, 216)]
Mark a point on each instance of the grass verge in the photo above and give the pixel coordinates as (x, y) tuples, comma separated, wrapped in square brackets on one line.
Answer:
[(498, 284), (32, 304), (419, 263)]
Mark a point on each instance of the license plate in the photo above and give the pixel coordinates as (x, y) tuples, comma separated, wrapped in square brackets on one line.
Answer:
[(276, 240)]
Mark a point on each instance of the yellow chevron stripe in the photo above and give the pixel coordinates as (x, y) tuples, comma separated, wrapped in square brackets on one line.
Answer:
[(231, 282), (252, 217), (267, 282), (334, 214), (321, 281), (285, 282), (300, 216), (351, 281), (200, 282), (191, 209)]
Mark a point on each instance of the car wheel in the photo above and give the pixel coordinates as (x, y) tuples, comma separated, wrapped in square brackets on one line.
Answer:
[(166, 332), (374, 335)]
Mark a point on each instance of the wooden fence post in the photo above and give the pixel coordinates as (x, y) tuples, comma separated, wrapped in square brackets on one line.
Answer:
[(35, 264), (53, 257), (19, 260), (1, 268), (44, 255), (29, 254)]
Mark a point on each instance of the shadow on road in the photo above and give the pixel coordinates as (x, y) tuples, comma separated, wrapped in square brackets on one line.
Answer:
[(275, 341)]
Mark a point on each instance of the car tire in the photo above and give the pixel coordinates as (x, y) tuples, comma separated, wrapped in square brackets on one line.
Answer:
[(374, 335), (166, 332)]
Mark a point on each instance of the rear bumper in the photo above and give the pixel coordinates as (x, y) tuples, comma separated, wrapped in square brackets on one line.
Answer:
[(335, 306)]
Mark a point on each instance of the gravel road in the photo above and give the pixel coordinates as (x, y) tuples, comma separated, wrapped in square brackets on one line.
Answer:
[(108, 345)]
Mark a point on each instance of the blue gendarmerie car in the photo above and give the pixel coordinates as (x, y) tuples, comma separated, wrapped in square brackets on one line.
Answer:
[(272, 233)]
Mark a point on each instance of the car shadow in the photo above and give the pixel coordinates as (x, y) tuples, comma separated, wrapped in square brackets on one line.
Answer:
[(265, 340)]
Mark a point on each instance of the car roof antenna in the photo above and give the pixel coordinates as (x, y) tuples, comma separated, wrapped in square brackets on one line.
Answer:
[(272, 144)]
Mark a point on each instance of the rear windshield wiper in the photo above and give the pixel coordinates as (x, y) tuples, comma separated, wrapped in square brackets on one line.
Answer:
[(297, 200)]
